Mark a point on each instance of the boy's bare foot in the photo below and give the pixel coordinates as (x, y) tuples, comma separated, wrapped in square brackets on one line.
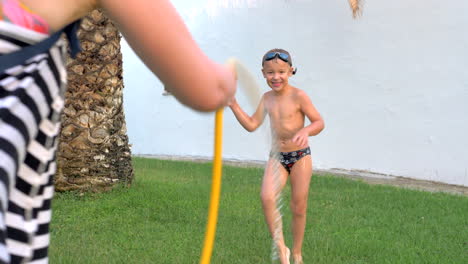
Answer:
[(286, 256), (297, 259)]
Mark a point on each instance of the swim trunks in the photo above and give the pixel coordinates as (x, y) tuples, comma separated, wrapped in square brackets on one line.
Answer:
[(288, 159)]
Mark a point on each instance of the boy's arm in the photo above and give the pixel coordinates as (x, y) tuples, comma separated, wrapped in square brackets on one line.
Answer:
[(317, 124), (250, 123), (158, 35)]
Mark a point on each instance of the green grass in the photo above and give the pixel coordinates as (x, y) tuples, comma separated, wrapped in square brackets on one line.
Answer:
[(162, 218)]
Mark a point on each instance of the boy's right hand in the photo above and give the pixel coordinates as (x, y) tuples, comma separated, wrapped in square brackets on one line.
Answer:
[(232, 102)]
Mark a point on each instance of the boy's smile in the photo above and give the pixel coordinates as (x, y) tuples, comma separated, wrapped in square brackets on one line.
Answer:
[(277, 73)]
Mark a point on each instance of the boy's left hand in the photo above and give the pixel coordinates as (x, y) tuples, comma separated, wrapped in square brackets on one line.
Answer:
[(301, 138)]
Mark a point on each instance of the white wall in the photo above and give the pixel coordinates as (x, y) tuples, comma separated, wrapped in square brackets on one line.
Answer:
[(391, 86)]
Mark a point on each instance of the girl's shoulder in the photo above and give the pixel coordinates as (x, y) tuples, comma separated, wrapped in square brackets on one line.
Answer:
[(20, 14), (50, 15)]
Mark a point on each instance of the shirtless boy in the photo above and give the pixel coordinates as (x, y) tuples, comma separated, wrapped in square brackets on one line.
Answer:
[(287, 107)]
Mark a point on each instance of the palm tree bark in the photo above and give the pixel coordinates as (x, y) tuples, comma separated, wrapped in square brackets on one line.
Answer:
[(94, 153)]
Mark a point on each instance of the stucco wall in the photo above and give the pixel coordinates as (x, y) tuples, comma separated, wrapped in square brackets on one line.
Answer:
[(391, 86)]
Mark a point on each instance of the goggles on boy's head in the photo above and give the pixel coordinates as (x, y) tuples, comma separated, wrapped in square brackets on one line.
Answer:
[(282, 56)]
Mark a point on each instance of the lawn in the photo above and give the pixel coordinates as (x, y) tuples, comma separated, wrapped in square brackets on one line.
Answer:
[(162, 219)]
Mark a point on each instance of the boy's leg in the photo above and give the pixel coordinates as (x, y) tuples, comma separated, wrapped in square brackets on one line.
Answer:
[(274, 179), (301, 174)]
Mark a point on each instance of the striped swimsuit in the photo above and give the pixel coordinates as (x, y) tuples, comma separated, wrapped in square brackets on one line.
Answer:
[(31, 100)]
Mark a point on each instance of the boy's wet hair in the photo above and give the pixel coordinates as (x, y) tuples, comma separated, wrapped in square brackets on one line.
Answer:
[(279, 51)]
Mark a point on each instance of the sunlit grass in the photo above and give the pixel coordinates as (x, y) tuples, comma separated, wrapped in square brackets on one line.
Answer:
[(162, 218)]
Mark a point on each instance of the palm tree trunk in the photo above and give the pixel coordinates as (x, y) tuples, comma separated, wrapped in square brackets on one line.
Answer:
[(94, 153)]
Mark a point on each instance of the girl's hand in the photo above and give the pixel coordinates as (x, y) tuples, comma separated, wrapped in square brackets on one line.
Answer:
[(227, 83), (230, 65)]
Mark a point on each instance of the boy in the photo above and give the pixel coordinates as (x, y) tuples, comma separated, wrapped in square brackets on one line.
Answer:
[(287, 107)]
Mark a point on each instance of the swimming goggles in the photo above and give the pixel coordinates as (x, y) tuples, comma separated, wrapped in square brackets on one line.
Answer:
[(283, 56)]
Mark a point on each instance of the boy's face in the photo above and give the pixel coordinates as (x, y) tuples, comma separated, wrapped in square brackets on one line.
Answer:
[(277, 73)]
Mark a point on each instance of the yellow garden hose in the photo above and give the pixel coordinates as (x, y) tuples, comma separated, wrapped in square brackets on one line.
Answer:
[(252, 90), (215, 190)]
